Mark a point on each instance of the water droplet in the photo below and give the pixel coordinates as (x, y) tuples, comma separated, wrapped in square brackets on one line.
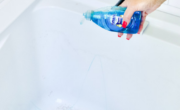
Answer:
[(82, 21)]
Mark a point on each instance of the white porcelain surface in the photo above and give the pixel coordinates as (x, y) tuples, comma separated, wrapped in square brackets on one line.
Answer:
[(166, 2), (174, 3), (10, 10), (51, 62)]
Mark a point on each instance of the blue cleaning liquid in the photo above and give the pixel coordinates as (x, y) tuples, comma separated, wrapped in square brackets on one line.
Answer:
[(111, 18)]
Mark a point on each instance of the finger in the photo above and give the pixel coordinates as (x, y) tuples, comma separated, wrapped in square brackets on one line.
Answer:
[(127, 16), (142, 22), (140, 28), (120, 34), (129, 36)]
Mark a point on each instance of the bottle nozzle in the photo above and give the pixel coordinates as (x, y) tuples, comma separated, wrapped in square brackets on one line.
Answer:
[(87, 15)]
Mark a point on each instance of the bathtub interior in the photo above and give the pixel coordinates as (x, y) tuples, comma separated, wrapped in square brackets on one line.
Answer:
[(51, 62)]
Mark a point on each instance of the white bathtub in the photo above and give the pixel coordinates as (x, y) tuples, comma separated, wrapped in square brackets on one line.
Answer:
[(48, 61)]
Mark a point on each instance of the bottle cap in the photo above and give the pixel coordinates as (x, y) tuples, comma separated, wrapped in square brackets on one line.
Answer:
[(87, 15)]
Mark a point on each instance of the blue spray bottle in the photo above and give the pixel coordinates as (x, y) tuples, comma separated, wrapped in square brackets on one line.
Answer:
[(111, 18)]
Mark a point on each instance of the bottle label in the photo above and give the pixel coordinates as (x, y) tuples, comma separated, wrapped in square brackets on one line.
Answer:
[(116, 20)]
